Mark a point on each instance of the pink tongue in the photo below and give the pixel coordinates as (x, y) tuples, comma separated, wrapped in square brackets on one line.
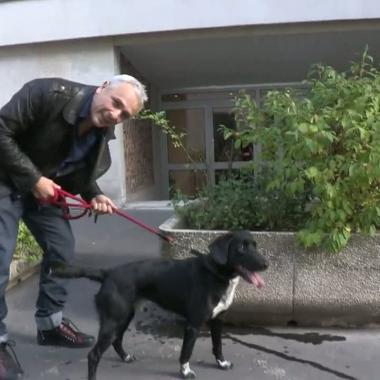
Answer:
[(256, 280)]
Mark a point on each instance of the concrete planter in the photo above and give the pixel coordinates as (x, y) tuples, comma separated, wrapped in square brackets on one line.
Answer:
[(20, 270), (306, 287)]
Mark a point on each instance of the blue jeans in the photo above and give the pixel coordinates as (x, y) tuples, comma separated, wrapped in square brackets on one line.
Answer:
[(55, 237)]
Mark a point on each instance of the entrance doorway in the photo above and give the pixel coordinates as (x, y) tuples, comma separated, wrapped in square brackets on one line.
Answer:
[(208, 156)]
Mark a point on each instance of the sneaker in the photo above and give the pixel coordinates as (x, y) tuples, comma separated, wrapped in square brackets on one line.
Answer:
[(10, 368), (66, 335)]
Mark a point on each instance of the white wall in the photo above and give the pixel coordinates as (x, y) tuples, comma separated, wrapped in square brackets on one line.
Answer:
[(51, 20), (90, 62)]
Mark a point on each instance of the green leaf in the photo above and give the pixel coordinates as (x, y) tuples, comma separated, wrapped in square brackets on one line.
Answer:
[(312, 172)]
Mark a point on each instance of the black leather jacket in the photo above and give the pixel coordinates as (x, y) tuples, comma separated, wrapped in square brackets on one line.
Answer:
[(37, 129)]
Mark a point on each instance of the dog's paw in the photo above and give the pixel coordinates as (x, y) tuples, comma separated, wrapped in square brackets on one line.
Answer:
[(188, 375), (129, 358), (187, 372), (224, 364)]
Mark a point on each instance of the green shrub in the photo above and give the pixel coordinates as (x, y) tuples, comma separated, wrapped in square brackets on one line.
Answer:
[(26, 248), (241, 201), (327, 142), (321, 156)]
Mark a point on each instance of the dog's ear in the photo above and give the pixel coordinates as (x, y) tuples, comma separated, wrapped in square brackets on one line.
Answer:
[(219, 248)]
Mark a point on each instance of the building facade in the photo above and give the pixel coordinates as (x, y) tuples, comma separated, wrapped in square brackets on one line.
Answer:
[(193, 56)]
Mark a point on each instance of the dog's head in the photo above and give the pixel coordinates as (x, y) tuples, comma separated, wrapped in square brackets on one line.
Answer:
[(237, 252)]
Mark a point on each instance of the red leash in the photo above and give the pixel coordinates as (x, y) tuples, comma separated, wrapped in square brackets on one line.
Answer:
[(59, 199)]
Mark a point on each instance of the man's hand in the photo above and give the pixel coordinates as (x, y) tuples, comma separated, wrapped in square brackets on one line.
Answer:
[(44, 188), (102, 205)]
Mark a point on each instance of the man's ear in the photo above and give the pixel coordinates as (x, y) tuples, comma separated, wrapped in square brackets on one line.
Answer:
[(219, 248)]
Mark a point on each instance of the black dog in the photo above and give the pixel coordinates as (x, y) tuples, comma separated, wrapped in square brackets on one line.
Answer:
[(198, 288)]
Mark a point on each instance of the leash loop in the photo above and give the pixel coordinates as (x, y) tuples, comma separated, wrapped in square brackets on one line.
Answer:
[(59, 199)]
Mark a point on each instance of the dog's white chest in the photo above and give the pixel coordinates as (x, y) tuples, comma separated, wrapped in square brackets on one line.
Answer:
[(226, 300)]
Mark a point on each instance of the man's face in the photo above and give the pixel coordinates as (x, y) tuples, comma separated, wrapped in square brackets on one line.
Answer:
[(113, 105)]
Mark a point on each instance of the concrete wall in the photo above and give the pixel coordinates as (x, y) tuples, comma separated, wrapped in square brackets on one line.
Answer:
[(90, 61), (310, 287), (52, 20)]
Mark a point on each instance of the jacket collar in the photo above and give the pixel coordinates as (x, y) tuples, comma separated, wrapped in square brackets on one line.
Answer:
[(73, 108)]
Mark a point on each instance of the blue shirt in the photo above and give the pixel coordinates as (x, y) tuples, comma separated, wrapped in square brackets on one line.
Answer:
[(82, 144)]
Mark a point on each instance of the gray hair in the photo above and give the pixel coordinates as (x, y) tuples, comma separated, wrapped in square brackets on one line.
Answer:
[(138, 86)]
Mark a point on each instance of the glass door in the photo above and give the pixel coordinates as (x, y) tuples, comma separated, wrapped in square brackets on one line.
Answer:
[(187, 165), (207, 156), (227, 158)]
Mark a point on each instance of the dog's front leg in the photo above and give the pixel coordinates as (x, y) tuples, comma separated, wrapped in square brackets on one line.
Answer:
[(216, 326), (189, 338), (118, 342)]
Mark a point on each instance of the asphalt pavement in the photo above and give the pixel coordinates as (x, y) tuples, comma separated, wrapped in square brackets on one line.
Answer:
[(154, 337)]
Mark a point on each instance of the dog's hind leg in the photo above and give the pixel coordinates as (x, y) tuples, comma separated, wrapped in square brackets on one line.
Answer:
[(118, 342), (190, 336), (106, 336), (216, 326)]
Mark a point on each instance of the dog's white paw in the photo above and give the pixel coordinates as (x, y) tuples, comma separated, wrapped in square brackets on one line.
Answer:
[(129, 358), (187, 372), (225, 364)]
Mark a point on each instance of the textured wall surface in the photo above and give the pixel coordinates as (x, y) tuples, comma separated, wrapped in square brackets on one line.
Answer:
[(138, 156)]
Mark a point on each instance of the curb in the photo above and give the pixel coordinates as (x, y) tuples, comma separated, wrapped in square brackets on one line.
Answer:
[(20, 271)]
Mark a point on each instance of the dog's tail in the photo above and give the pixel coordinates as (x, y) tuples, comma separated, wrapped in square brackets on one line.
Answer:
[(70, 271)]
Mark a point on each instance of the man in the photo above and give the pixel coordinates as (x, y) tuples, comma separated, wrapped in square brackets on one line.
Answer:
[(54, 133)]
